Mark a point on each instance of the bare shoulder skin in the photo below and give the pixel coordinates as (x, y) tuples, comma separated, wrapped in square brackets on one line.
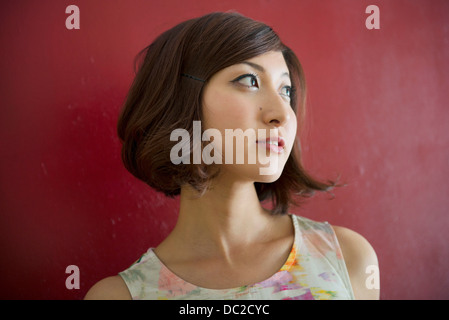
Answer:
[(111, 288), (361, 262)]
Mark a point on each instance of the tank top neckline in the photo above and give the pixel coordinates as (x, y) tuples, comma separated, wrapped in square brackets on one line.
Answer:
[(285, 267)]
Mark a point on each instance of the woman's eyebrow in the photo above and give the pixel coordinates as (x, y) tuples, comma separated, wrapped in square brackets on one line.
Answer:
[(254, 65), (261, 69)]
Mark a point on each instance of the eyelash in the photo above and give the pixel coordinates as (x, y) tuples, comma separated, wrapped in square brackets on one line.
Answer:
[(255, 77)]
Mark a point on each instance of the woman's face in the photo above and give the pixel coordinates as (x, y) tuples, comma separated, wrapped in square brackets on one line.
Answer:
[(251, 101)]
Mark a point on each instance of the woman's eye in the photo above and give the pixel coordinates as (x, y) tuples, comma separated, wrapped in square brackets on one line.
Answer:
[(247, 80), (286, 91)]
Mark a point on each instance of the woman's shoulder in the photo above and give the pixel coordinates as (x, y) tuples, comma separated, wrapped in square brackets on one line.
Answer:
[(110, 288), (353, 245), (359, 256), (361, 263)]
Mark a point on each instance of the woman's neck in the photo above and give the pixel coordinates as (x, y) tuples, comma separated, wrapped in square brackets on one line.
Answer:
[(225, 218)]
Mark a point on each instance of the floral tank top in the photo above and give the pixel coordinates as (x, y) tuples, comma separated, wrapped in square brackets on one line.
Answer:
[(314, 270)]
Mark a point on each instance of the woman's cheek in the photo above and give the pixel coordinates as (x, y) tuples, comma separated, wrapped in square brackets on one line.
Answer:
[(228, 113), (291, 129)]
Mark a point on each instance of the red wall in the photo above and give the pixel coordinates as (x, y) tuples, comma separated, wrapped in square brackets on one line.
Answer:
[(378, 116)]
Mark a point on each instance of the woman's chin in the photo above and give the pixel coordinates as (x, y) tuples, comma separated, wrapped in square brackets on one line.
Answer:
[(269, 178)]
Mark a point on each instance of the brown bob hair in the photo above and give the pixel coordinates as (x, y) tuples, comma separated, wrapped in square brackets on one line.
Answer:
[(162, 99)]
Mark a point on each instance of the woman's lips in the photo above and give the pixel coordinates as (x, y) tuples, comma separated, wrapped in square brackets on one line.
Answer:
[(274, 144)]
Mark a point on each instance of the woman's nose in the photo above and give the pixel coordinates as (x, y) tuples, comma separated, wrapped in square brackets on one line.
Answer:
[(276, 110)]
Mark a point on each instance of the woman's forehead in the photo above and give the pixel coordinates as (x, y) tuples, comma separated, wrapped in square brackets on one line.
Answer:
[(272, 62)]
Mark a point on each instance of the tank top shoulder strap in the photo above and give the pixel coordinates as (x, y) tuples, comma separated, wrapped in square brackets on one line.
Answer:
[(319, 241), (142, 276)]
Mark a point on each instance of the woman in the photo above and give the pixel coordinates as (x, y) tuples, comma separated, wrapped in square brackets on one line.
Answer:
[(229, 73)]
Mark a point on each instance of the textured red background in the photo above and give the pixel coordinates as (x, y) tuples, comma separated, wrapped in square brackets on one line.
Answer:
[(378, 115)]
